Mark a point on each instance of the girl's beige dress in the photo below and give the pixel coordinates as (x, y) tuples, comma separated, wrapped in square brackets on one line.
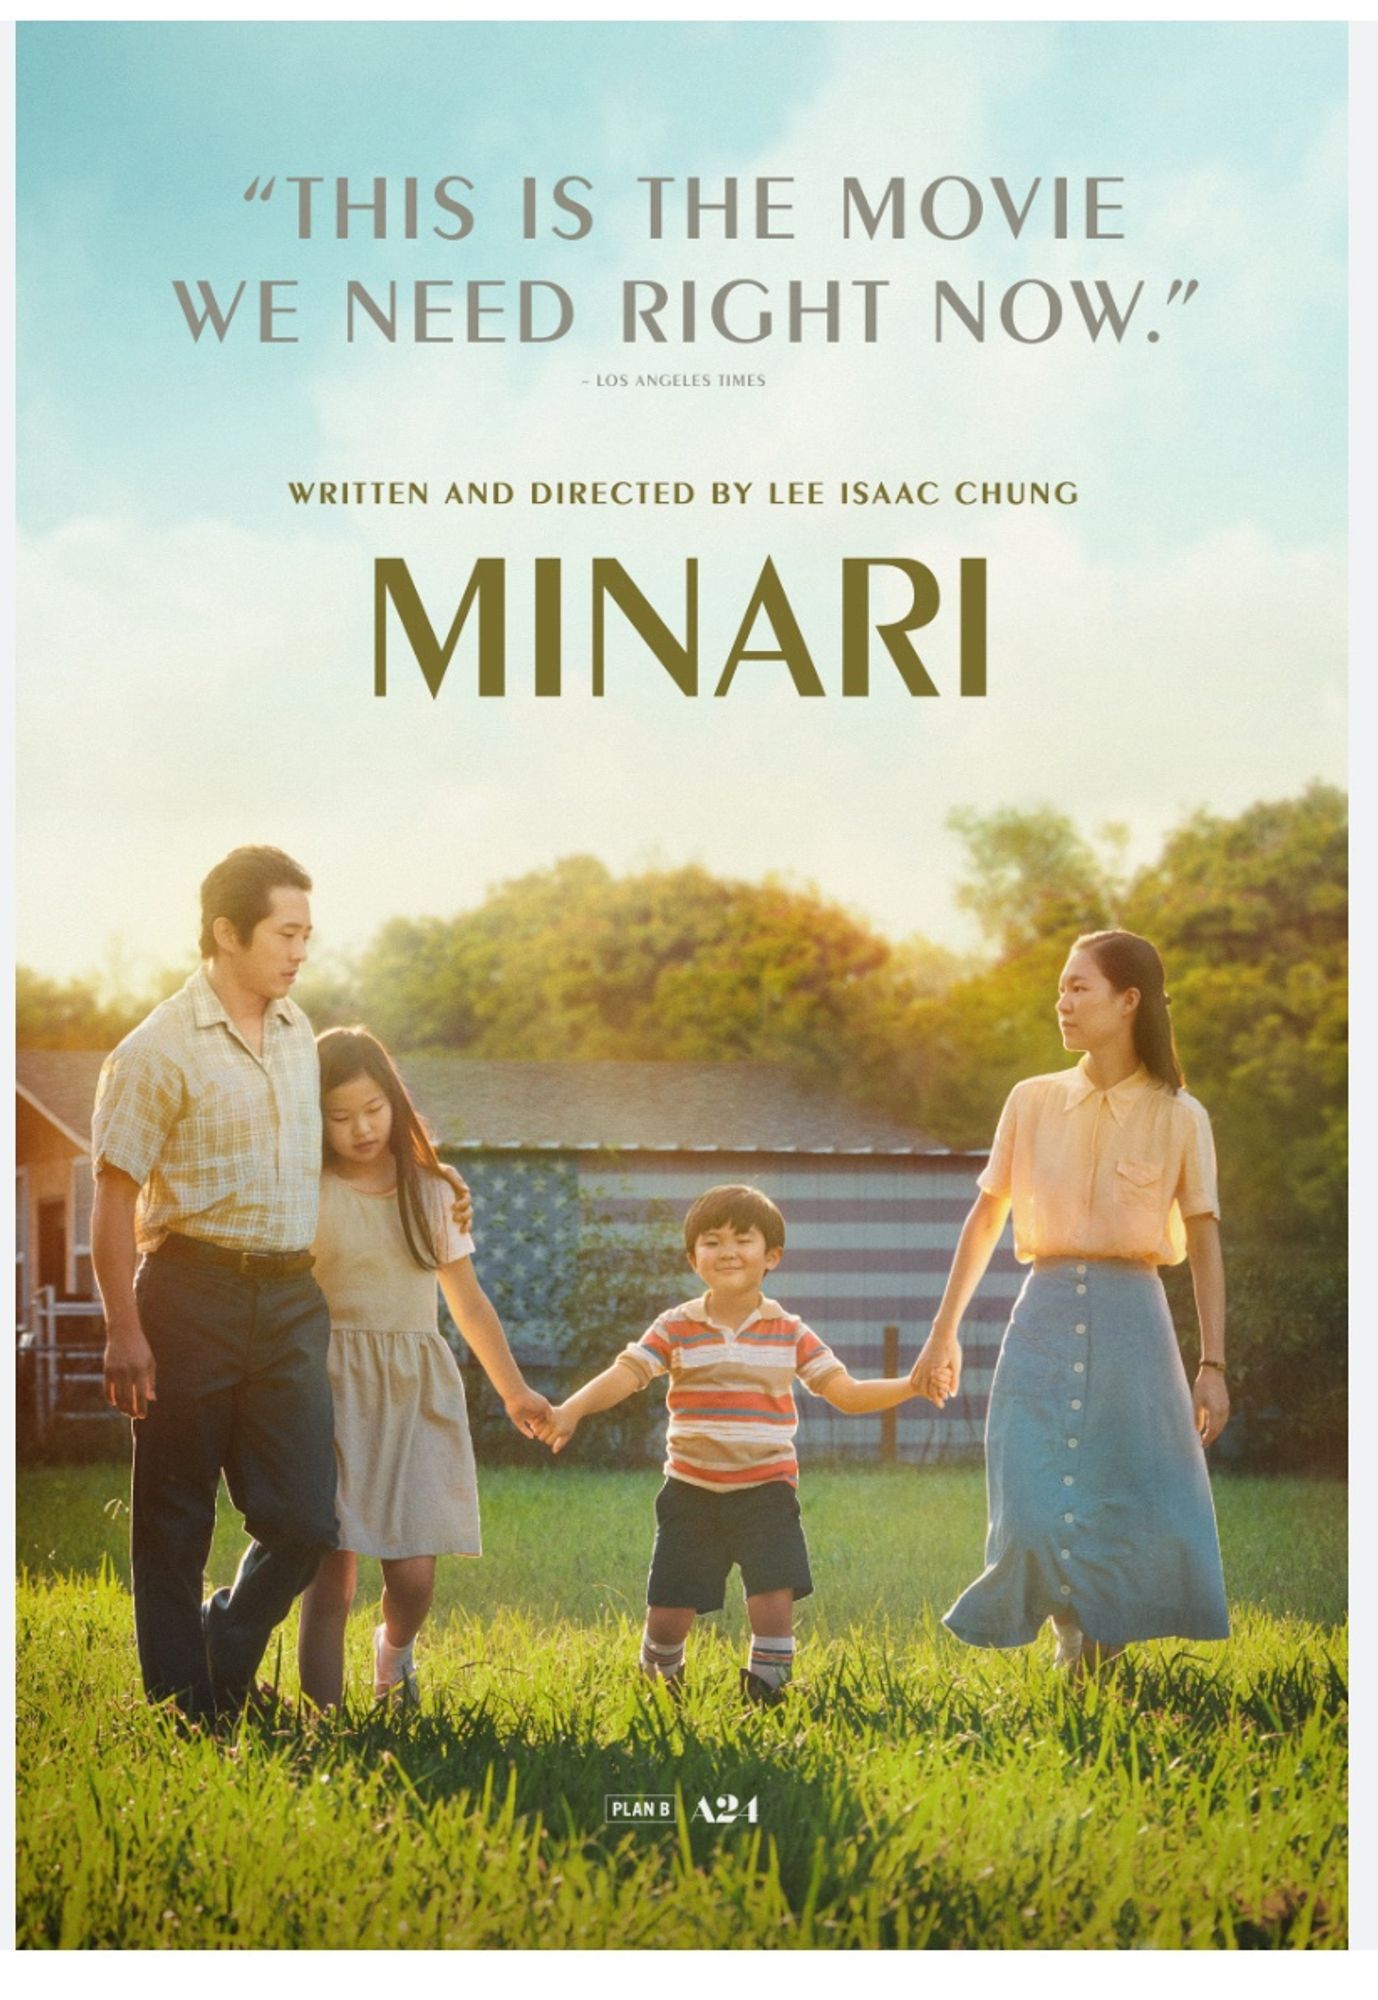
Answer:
[(404, 1458)]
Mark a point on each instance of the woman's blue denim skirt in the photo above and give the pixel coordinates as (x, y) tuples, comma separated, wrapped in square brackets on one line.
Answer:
[(1100, 1506)]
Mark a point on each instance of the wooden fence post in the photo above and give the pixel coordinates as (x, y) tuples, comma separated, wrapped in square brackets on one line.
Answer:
[(889, 1419)]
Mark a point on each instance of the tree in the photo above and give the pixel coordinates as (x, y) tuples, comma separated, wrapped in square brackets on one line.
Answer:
[(570, 964), (71, 1014), (624, 1277), (1251, 917), (1031, 875)]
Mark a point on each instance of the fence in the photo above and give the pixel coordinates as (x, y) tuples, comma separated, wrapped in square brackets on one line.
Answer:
[(60, 1358)]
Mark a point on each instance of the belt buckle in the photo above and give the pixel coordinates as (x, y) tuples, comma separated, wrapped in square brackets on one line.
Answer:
[(244, 1264)]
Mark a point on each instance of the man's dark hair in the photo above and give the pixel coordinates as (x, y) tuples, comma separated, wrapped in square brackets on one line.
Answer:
[(734, 1207), (241, 888)]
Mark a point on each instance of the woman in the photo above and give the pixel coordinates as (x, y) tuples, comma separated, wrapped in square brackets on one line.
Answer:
[(1100, 1507)]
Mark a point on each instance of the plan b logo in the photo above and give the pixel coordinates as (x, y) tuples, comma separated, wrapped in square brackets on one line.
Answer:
[(730, 1809)]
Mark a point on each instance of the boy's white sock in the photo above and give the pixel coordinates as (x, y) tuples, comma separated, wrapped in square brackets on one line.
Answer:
[(660, 1662), (771, 1660)]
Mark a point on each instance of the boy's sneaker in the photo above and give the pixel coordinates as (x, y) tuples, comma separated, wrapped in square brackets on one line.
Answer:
[(394, 1673), (760, 1693), (673, 1684)]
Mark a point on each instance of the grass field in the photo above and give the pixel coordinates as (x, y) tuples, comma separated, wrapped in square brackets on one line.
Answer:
[(912, 1793)]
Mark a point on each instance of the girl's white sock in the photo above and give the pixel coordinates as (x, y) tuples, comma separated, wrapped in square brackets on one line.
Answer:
[(391, 1664)]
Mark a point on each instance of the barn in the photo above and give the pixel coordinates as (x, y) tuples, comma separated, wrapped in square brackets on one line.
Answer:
[(571, 1159)]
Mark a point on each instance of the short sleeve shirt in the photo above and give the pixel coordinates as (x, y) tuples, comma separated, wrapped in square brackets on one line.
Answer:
[(225, 1144), (1102, 1173), (370, 1279), (731, 1395)]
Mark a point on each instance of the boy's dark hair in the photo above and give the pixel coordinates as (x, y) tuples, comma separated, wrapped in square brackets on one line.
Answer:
[(241, 888), (736, 1207)]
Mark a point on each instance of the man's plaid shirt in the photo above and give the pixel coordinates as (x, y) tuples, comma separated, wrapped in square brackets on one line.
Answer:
[(225, 1145)]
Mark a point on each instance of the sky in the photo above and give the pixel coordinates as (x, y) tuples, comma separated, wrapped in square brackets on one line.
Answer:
[(196, 652)]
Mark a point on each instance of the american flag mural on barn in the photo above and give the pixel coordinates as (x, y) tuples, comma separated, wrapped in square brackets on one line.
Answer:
[(869, 1241), (564, 1158), (571, 1162)]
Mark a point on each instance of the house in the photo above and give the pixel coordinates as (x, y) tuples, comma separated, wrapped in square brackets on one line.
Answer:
[(610, 1153), (55, 1305), (54, 1092)]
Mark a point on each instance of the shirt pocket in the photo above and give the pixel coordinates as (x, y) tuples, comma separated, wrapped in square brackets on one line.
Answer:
[(1138, 1183), (226, 1144)]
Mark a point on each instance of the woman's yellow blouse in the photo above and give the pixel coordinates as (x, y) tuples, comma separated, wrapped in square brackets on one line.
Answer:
[(1102, 1173)]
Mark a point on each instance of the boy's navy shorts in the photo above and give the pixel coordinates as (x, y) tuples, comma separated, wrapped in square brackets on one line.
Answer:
[(699, 1535)]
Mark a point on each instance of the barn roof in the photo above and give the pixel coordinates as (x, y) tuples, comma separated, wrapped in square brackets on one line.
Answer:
[(579, 1106), (648, 1107)]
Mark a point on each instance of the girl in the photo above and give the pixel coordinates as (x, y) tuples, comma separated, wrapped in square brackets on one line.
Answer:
[(1100, 1507), (405, 1463)]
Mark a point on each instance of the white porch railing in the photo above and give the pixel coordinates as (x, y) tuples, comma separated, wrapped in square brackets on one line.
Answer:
[(61, 1354)]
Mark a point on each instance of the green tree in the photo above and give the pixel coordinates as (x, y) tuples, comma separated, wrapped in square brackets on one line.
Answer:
[(72, 1014), (1251, 917), (624, 1278), (572, 964), (1031, 875)]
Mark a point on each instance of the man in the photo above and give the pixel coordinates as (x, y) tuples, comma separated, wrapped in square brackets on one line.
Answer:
[(206, 1146)]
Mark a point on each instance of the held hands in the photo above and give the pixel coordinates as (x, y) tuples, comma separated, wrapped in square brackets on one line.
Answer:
[(559, 1427), (1210, 1404), (527, 1410), (129, 1372), (463, 1207), (937, 1373)]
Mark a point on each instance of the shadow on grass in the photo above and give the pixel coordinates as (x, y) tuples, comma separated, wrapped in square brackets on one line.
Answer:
[(560, 1757)]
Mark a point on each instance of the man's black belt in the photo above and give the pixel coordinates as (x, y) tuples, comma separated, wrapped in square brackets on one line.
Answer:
[(248, 1263)]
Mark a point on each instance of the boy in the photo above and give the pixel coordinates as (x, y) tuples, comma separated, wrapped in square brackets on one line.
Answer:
[(730, 1470)]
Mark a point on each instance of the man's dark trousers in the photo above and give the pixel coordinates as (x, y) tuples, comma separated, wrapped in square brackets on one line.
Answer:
[(241, 1385)]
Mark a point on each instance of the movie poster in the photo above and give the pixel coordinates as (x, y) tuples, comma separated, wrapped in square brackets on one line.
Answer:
[(721, 549)]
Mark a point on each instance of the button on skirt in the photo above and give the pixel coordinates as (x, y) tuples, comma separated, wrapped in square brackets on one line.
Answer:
[(1099, 1502)]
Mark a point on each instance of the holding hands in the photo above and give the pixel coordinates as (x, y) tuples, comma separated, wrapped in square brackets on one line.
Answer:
[(527, 1410), (561, 1422), (937, 1373)]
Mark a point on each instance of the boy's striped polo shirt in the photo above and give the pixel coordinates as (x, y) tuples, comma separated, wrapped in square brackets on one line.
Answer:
[(731, 1397)]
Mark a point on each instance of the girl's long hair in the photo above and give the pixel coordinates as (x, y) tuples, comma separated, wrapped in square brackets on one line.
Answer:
[(1127, 960), (347, 1053)]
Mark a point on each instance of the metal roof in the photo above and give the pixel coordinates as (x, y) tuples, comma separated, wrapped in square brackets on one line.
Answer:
[(639, 1107)]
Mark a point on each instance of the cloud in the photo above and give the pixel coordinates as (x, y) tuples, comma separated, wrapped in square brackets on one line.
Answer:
[(1175, 640), (227, 696)]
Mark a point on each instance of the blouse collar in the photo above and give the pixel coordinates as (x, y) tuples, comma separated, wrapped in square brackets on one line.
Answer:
[(1119, 1097)]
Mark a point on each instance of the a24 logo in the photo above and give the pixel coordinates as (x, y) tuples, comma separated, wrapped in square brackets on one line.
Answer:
[(729, 1810)]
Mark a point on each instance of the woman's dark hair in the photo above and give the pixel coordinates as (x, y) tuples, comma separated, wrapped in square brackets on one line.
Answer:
[(241, 888), (347, 1053), (1128, 960)]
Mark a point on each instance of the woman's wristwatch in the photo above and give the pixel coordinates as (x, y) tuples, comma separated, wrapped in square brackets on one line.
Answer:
[(1219, 1366)]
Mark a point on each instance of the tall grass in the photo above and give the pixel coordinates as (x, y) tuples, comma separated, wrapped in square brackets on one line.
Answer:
[(911, 1793)]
